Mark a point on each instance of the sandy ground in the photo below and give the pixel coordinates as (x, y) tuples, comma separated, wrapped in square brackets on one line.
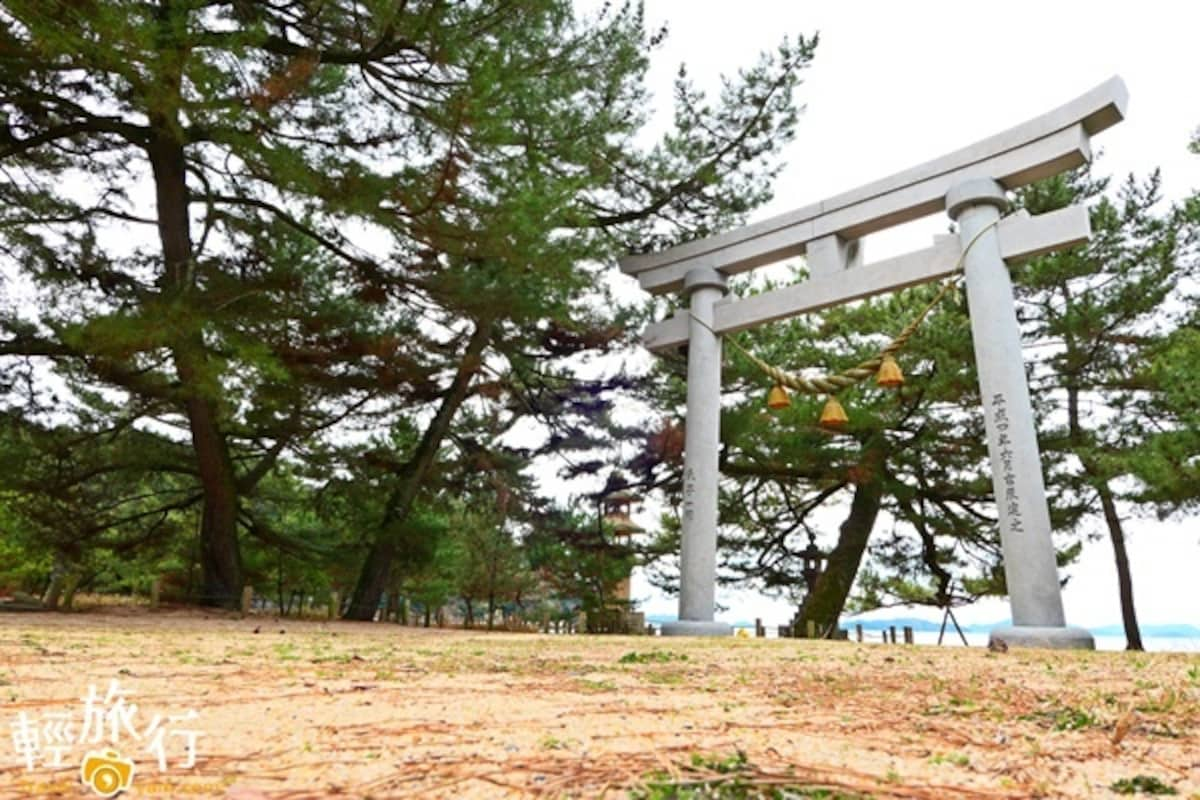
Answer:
[(312, 709)]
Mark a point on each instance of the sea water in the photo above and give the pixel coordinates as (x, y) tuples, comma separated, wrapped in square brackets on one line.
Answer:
[(1158, 644)]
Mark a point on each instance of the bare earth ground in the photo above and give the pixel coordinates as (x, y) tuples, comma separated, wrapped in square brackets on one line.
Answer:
[(314, 709)]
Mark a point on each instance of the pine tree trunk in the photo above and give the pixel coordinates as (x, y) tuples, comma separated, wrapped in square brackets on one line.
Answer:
[(70, 587), (220, 556), (372, 581), (220, 559), (373, 578), (1116, 532), (827, 599), (54, 591)]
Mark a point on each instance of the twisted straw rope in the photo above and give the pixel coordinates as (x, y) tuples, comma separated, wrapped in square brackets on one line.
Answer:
[(831, 384)]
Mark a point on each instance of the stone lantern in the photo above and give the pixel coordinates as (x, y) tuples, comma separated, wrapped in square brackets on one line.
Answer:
[(619, 525), (813, 562)]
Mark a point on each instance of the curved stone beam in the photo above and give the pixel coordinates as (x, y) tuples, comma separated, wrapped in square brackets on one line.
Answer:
[(1043, 146)]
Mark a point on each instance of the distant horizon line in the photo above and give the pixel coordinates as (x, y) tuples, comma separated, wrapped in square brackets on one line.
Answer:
[(1158, 629)]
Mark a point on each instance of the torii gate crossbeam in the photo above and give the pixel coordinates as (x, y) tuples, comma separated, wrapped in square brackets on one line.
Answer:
[(970, 186)]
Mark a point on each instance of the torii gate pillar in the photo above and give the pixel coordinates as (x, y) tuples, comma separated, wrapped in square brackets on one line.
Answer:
[(1030, 569), (698, 551)]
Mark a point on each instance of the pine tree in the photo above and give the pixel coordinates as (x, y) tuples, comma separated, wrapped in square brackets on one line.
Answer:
[(83, 500), (1098, 314), (1166, 466), (269, 219), (913, 455)]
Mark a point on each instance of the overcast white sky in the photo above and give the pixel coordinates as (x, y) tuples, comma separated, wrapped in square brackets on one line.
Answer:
[(895, 84)]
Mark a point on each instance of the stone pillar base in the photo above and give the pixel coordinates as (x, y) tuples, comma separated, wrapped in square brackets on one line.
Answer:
[(1065, 638), (691, 627)]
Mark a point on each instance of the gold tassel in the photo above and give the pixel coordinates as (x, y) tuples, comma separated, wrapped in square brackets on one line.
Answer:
[(833, 416), (889, 375), (777, 398)]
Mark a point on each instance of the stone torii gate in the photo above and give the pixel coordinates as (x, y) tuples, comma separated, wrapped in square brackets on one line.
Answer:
[(970, 186)]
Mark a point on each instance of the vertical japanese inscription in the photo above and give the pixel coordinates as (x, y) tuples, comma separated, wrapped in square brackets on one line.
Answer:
[(1008, 501), (689, 494)]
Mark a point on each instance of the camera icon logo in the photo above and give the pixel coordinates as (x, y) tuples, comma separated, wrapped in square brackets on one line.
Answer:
[(106, 772)]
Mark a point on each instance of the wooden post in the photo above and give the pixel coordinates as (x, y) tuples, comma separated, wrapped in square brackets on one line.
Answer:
[(155, 592), (335, 605), (908, 634), (858, 631), (760, 630), (957, 627), (892, 629), (248, 599), (810, 629)]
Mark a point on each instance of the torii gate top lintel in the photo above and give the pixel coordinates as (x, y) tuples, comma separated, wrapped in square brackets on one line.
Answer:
[(1038, 148)]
